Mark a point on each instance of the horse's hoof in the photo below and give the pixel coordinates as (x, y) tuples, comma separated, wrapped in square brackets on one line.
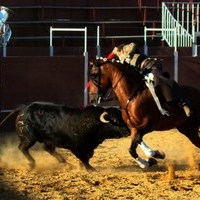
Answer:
[(152, 162), (31, 166), (91, 169), (159, 155), (143, 164)]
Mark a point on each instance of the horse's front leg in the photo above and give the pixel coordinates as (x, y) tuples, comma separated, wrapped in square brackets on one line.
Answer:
[(136, 140), (150, 152)]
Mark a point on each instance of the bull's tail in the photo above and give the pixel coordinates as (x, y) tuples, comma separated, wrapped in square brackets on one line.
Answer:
[(18, 109)]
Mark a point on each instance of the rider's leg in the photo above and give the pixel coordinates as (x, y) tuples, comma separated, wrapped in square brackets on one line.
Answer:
[(172, 92), (182, 100), (164, 84)]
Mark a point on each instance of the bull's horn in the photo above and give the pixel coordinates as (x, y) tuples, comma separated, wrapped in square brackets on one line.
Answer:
[(102, 117)]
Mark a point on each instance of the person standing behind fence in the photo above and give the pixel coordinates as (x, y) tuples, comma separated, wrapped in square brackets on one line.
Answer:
[(3, 18)]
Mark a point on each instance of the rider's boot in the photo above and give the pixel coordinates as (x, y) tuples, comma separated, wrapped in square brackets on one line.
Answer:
[(187, 110), (186, 107)]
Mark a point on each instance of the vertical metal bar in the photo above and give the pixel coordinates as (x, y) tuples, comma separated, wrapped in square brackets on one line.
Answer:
[(163, 17), (194, 47), (167, 25), (4, 46), (170, 33), (4, 41), (178, 30), (51, 42), (188, 18), (175, 39), (85, 100), (182, 23), (175, 56), (193, 25), (176, 66), (197, 29), (85, 39), (182, 14), (145, 41), (178, 12), (98, 41)]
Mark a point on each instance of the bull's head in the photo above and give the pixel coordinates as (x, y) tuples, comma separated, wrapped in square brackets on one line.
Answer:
[(112, 119), (103, 117)]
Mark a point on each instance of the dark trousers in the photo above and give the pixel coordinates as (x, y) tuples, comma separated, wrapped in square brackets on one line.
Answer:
[(170, 89)]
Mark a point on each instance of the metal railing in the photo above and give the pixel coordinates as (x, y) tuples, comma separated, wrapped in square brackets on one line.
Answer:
[(173, 33), (180, 28), (85, 53), (185, 18)]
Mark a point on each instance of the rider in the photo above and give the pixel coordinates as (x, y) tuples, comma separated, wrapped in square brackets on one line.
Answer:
[(145, 65)]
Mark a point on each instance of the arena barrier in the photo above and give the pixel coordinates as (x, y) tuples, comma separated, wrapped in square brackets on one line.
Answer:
[(57, 79), (85, 53)]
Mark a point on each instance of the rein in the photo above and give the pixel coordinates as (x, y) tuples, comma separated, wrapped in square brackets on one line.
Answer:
[(118, 81), (131, 97)]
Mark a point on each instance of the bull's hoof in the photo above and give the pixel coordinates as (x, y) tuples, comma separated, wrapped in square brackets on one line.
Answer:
[(91, 170), (159, 155), (152, 162)]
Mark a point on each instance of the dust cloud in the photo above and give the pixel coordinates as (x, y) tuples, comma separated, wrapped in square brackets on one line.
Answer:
[(117, 176)]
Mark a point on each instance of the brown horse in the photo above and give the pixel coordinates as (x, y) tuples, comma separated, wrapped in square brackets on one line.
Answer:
[(139, 110)]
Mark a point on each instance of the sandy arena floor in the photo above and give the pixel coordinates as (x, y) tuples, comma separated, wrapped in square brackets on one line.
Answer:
[(117, 176)]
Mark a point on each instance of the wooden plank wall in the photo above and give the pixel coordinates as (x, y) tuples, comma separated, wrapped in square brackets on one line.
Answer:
[(56, 79)]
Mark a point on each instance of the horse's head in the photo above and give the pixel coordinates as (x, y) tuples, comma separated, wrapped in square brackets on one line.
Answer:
[(98, 74), (99, 82)]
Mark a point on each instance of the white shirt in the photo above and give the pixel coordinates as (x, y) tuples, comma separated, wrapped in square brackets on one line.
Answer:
[(3, 17)]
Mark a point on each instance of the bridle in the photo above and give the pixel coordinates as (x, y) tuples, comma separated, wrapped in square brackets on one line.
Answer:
[(96, 80)]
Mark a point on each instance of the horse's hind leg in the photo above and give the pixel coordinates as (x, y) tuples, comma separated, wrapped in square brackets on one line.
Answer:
[(52, 150), (24, 146)]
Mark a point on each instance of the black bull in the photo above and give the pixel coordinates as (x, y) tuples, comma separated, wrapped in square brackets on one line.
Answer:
[(79, 130)]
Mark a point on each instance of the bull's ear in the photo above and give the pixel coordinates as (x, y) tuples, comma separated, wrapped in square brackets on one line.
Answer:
[(103, 117)]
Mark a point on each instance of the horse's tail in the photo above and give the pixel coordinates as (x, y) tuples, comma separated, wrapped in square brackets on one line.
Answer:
[(18, 109)]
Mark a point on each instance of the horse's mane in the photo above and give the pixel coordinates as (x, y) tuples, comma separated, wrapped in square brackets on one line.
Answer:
[(129, 71), (125, 67)]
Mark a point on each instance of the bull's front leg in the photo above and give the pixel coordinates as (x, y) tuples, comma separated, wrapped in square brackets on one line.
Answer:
[(136, 140), (84, 160)]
